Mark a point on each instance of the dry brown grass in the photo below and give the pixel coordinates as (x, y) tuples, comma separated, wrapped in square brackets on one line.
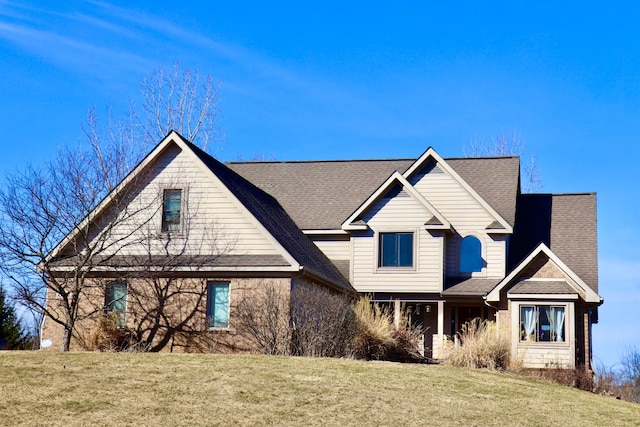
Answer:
[(56, 389), (484, 345)]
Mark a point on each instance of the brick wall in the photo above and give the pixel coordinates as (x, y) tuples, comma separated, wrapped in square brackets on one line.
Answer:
[(182, 327)]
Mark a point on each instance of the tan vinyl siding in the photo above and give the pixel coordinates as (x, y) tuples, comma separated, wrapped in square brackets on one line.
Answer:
[(399, 214), (212, 222), (538, 356), (466, 215), (493, 253), (451, 200), (335, 247)]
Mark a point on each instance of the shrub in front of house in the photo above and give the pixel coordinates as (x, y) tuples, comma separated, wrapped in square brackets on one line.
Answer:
[(481, 344)]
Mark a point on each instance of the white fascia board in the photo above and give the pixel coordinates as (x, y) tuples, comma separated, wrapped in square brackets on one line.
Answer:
[(395, 177), (431, 153), (591, 295), (314, 232), (542, 296)]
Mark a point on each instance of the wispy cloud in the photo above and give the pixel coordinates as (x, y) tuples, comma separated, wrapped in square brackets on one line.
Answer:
[(81, 55)]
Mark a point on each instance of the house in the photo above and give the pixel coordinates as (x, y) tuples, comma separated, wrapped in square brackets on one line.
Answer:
[(448, 239)]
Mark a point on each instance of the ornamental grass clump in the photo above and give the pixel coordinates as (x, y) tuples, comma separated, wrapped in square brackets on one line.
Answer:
[(481, 344), (375, 335)]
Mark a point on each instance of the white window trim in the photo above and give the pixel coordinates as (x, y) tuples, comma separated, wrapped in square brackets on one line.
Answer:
[(569, 324), (392, 270)]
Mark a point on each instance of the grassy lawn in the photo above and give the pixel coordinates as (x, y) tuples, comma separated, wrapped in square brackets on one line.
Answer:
[(39, 388)]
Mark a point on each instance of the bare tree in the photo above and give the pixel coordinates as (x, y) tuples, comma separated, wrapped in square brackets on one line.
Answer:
[(40, 206), (509, 144), (183, 101), (262, 316)]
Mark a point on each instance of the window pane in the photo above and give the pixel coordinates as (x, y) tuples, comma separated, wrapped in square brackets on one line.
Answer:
[(218, 305), (116, 301), (470, 255), (527, 323), (171, 210), (389, 250), (544, 324), (557, 324), (405, 245)]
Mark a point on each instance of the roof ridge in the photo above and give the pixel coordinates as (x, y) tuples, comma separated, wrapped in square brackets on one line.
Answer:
[(319, 161), (577, 193)]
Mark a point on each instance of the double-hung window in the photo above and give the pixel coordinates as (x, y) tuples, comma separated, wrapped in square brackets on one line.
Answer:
[(171, 210), (395, 250), (542, 323), (115, 301), (218, 305)]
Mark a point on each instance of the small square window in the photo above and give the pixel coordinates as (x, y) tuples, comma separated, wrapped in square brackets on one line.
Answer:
[(171, 210), (396, 250)]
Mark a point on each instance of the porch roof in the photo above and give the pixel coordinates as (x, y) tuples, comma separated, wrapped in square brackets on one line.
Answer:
[(543, 287), (469, 287)]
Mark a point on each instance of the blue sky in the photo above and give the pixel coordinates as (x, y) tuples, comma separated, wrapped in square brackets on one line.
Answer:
[(362, 80)]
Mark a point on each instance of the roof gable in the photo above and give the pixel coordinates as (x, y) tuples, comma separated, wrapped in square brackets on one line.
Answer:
[(432, 155), (437, 221), (590, 295), (262, 209)]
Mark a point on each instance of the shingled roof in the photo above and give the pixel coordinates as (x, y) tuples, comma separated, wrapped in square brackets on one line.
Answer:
[(320, 195), (566, 223), (275, 219)]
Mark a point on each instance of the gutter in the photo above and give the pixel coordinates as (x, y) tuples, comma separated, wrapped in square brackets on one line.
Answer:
[(484, 298)]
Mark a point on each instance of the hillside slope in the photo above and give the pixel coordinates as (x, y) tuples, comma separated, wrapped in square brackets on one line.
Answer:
[(40, 388)]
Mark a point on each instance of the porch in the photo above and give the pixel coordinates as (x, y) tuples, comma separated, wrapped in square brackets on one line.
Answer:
[(440, 319)]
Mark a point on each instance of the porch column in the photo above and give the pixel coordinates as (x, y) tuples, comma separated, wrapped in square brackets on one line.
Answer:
[(438, 338), (441, 319), (396, 313)]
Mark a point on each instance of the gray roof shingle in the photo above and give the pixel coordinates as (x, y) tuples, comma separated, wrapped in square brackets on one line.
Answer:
[(543, 287), (275, 219), (469, 287), (176, 261), (566, 223), (320, 195)]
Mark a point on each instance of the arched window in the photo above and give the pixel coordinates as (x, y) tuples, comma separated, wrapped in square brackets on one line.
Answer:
[(470, 255)]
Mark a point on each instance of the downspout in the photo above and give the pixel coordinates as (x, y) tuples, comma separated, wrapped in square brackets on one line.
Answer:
[(495, 309)]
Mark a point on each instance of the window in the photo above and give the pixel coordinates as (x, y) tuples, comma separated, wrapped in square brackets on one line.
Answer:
[(396, 250), (470, 255), (217, 305), (171, 207), (115, 301), (542, 323)]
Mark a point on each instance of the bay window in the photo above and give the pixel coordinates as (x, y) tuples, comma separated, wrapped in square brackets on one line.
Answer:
[(542, 323)]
